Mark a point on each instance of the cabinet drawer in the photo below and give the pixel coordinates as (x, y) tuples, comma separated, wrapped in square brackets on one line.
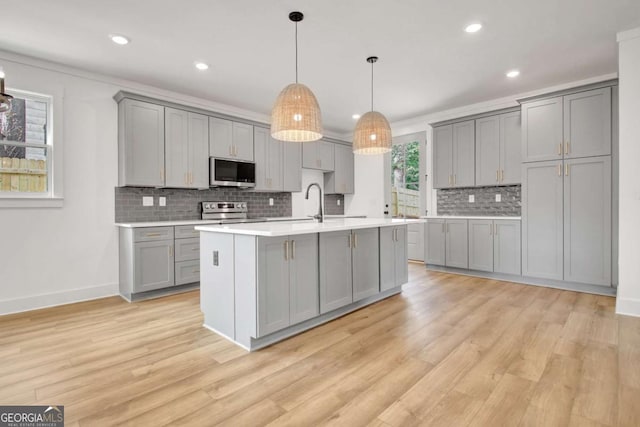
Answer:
[(147, 234), (186, 232), (187, 272), (188, 249)]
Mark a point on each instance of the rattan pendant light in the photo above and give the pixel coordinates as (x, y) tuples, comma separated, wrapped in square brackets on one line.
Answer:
[(373, 133), (296, 114)]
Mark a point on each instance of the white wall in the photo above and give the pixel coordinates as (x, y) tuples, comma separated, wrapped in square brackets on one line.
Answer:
[(302, 207), (628, 301), (368, 198), (51, 256)]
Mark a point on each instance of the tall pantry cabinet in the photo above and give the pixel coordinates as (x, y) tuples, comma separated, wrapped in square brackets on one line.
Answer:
[(567, 187)]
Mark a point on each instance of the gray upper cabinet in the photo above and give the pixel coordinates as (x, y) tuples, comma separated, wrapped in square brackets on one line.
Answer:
[(318, 155), (198, 151), (506, 246), (140, 144), (273, 284), (464, 157), (587, 220), (303, 278), (456, 244), (488, 151), (341, 180), (231, 140), (186, 149), (587, 123), (336, 288), (510, 148), (268, 155), (442, 156), (435, 233), (366, 262), (498, 149), (291, 166), (481, 244), (570, 126), (542, 130), (542, 220), (153, 265)]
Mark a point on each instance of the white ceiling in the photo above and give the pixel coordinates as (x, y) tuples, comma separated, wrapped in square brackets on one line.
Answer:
[(427, 62)]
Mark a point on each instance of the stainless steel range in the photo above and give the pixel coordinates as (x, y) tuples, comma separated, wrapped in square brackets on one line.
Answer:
[(227, 212)]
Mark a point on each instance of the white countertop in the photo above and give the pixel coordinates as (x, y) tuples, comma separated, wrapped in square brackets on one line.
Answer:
[(205, 221), (272, 229), (469, 217)]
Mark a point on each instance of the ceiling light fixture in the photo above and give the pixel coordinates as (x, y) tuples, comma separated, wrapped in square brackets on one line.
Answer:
[(473, 28), (355, 116), (119, 39), (373, 133), (5, 98), (201, 66), (513, 73), (296, 114)]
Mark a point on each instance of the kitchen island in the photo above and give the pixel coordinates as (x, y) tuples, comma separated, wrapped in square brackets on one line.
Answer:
[(263, 282)]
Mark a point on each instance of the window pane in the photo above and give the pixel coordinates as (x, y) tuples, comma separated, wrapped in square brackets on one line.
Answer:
[(26, 122), (23, 170), (405, 179)]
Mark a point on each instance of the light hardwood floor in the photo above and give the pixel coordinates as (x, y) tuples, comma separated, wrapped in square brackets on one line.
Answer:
[(449, 351)]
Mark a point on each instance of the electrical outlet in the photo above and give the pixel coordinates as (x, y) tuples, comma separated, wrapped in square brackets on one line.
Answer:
[(498, 197), (147, 200), (338, 202), (472, 198), (270, 201), (162, 201)]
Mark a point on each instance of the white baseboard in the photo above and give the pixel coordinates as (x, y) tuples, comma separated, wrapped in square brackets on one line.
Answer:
[(628, 306), (35, 302)]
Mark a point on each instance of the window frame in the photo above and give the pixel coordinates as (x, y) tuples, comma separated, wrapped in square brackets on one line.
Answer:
[(53, 197)]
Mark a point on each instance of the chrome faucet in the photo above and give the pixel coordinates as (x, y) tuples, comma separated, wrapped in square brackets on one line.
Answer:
[(320, 216)]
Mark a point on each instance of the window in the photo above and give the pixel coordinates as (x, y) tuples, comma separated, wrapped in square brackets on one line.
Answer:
[(26, 151), (405, 179)]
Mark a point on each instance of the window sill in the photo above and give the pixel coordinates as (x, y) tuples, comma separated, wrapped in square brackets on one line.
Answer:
[(31, 202)]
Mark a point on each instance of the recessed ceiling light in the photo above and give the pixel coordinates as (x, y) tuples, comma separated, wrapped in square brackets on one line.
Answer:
[(513, 73), (201, 66), (119, 39), (355, 116), (473, 28)]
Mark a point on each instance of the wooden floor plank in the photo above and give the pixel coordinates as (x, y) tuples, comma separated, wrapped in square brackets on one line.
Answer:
[(450, 350)]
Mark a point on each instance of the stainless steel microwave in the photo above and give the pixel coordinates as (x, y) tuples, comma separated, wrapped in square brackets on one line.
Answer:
[(231, 173)]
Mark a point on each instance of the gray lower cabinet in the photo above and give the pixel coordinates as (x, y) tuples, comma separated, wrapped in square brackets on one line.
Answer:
[(481, 244), (542, 220), (494, 246), (456, 245), (587, 220), (506, 247), (366, 263), (153, 265), (336, 285), (140, 144), (435, 241), (287, 281), (394, 262)]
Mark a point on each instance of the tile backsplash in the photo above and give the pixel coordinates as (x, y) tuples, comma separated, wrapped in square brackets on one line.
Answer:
[(455, 201), (331, 204), (185, 204)]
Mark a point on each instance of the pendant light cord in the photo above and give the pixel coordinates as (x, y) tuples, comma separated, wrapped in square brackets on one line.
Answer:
[(296, 53), (371, 86)]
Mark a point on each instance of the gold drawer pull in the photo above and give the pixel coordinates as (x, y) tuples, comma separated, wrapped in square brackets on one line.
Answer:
[(154, 234)]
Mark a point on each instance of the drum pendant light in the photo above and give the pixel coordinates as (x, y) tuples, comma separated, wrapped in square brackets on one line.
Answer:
[(373, 133), (296, 114)]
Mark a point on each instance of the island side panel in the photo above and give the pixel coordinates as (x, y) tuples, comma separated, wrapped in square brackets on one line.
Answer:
[(246, 289), (217, 297)]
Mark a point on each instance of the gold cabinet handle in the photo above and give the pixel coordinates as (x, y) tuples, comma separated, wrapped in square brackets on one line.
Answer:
[(154, 234), (286, 250), (170, 250), (566, 148), (355, 240), (566, 169), (560, 149), (559, 169)]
